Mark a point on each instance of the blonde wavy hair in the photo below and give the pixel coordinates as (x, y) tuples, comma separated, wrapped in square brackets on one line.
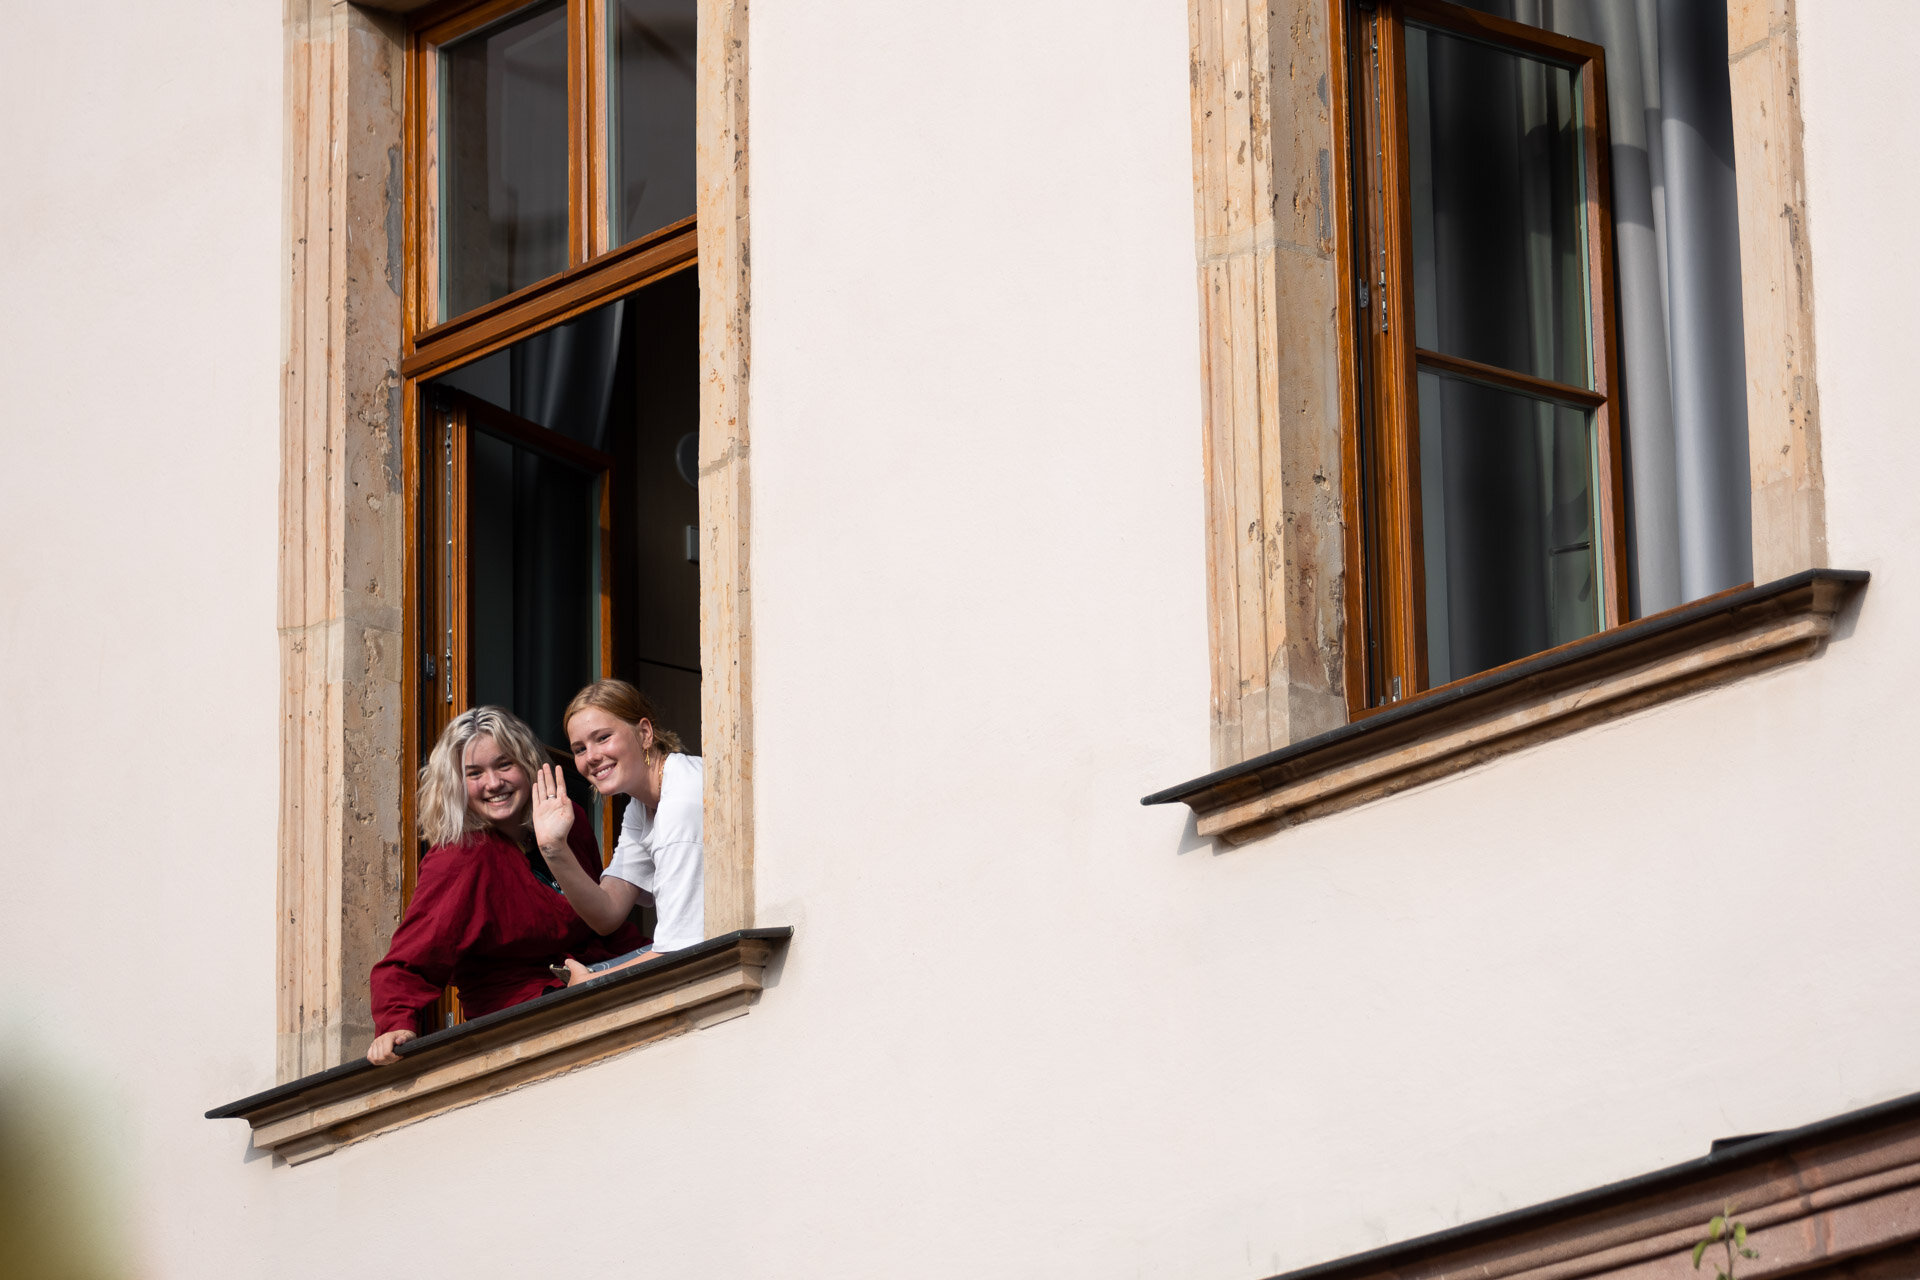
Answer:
[(620, 699), (444, 816)]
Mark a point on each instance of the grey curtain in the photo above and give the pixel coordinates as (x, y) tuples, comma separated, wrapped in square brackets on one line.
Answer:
[(563, 378), (1677, 247)]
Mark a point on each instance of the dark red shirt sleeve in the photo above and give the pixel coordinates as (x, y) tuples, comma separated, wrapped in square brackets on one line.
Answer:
[(442, 923)]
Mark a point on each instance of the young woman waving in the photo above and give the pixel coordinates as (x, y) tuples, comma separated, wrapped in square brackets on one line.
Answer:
[(619, 747)]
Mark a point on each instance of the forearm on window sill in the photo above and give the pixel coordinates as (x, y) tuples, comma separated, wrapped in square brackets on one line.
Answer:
[(1551, 694)]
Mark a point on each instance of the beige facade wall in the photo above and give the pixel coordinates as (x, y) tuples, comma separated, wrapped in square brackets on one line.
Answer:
[(1026, 1027)]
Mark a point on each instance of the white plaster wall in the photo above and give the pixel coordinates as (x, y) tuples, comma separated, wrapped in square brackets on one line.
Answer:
[(1027, 1026), (140, 210)]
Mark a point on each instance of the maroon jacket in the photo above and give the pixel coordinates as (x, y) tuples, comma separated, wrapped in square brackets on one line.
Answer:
[(481, 920)]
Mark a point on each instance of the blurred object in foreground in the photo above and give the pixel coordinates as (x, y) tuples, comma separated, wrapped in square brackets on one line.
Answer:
[(59, 1220)]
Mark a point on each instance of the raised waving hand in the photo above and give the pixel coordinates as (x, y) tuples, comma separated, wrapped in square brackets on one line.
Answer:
[(552, 810)]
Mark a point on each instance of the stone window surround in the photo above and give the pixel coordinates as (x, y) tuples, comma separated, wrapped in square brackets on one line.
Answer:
[(1269, 166), (345, 515)]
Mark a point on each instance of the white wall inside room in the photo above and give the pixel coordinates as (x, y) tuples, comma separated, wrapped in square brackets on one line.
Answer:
[(1027, 1026)]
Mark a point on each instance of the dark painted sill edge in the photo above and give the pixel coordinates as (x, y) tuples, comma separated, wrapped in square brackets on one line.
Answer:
[(1407, 716), (592, 993)]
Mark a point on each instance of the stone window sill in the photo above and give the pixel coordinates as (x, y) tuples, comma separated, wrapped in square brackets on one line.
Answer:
[(317, 1114), (1460, 725)]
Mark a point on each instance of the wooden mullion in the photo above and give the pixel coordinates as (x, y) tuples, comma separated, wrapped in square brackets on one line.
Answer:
[(418, 611), (579, 122), (1350, 318), (598, 135), (458, 678), (458, 645), (1610, 514), (1406, 570), (1511, 380), (439, 468), (1385, 538), (419, 240)]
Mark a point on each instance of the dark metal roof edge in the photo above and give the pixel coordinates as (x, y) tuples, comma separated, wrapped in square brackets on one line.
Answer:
[(1657, 624), (1757, 1151), (450, 1035)]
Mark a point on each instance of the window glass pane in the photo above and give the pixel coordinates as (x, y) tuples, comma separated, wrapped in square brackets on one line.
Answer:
[(652, 126), (533, 525), (565, 379), (1499, 207), (1506, 509), (502, 149)]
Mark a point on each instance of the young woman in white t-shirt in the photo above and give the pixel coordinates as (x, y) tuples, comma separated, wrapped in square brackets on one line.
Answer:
[(619, 747)]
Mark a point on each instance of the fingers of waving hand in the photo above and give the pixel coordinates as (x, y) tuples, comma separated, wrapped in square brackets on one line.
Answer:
[(552, 810)]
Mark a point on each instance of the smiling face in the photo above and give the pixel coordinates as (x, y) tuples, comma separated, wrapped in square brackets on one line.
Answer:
[(609, 752), (498, 789)]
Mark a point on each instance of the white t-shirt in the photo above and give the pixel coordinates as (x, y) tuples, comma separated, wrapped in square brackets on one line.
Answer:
[(665, 854)]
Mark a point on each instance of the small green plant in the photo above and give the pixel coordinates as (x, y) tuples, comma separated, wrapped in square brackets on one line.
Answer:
[(1723, 1230)]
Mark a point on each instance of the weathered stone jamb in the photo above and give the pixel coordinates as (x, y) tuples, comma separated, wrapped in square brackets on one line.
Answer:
[(1269, 289), (1776, 282), (343, 521), (726, 636)]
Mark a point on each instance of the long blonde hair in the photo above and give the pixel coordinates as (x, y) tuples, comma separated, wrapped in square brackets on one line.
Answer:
[(619, 699), (444, 815)]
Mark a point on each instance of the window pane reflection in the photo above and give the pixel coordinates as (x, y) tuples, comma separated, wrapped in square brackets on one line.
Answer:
[(565, 379), (652, 144), (1499, 207), (503, 157), (1507, 498)]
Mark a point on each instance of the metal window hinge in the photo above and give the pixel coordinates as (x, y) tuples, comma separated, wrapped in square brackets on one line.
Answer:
[(1366, 296)]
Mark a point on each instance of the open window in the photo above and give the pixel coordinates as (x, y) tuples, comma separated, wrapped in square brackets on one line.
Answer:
[(1551, 429), (552, 364)]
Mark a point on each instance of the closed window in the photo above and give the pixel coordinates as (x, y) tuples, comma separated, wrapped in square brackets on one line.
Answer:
[(1547, 332)]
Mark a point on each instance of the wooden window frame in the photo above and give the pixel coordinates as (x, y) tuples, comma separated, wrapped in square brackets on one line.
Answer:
[(588, 100), (597, 274), (441, 606), (1382, 436), (596, 271), (355, 355), (1273, 254)]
